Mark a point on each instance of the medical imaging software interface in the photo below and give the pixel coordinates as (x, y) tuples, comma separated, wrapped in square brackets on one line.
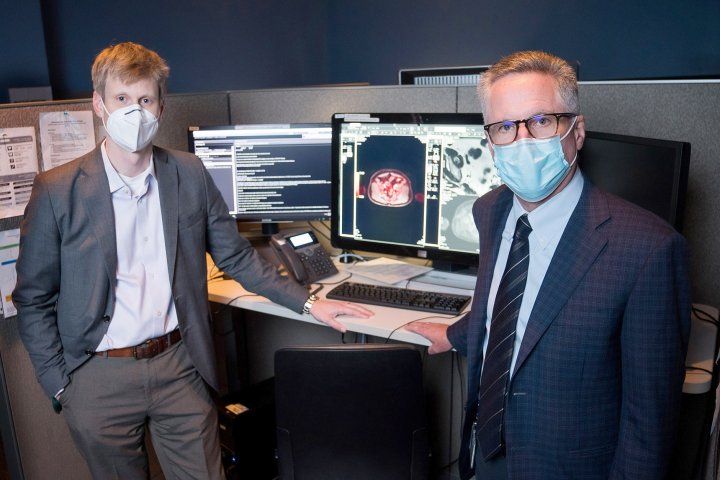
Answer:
[(413, 184), (269, 172)]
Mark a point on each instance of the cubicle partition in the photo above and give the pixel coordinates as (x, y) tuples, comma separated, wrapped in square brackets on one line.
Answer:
[(35, 438), (182, 111), (318, 104), (677, 111), (688, 112)]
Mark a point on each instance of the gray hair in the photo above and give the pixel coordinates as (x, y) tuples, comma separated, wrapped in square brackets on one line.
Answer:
[(533, 61)]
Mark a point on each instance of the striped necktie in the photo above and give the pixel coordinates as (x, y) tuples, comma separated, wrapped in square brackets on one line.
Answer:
[(496, 365)]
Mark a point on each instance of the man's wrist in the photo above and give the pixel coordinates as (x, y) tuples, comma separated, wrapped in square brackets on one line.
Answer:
[(309, 303)]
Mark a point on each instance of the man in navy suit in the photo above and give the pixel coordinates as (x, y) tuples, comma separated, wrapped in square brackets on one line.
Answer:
[(579, 325)]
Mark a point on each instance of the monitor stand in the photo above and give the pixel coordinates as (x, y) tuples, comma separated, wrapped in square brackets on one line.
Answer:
[(270, 228)]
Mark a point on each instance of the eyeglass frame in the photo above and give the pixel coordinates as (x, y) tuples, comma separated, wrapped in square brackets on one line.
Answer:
[(524, 121)]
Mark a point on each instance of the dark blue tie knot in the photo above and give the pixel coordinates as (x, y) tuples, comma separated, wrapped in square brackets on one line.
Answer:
[(522, 228)]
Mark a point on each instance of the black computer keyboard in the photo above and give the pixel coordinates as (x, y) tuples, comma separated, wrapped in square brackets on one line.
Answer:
[(432, 302)]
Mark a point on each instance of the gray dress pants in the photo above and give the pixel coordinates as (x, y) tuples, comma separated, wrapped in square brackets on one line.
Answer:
[(109, 401)]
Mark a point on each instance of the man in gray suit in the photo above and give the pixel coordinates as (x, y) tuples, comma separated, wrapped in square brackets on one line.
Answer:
[(112, 293)]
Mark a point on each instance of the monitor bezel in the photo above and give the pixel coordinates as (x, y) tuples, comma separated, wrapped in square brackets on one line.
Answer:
[(252, 218), (680, 171), (431, 253)]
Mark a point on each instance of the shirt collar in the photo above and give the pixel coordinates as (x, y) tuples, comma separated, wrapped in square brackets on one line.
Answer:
[(116, 183), (548, 221)]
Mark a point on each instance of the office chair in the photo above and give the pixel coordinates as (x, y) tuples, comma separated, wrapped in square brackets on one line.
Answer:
[(351, 412)]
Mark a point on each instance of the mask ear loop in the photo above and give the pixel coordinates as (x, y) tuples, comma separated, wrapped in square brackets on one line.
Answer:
[(162, 111), (102, 102), (572, 126), (492, 155)]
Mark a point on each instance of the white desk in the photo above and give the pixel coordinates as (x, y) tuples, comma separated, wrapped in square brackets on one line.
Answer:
[(382, 324), (386, 320), (701, 351)]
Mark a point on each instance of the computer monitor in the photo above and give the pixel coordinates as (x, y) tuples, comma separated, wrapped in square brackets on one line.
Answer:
[(648, 172), (268, 173), (404, 184)]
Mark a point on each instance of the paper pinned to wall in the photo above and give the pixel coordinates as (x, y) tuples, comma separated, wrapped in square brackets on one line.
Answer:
[(9, 249), (65, 136), (18, 167)]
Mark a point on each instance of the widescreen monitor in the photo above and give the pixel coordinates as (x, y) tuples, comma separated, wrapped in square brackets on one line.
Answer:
[(405, 184), (648, 172), (268, 173)]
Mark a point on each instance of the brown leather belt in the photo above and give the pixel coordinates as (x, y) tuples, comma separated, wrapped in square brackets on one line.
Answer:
[(147, 349)]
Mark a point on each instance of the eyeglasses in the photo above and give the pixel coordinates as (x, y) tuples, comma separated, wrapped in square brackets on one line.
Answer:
[(542, 125)]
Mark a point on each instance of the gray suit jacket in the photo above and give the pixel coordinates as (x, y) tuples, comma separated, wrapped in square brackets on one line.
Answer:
[(67, 265)]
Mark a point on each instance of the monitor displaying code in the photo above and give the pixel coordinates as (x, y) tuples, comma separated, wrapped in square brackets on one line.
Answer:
[(269, 172)]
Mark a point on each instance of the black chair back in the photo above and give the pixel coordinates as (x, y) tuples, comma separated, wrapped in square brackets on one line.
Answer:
[(347, 412)]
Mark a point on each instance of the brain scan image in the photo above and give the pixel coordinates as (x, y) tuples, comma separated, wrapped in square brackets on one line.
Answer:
[(390, 176), (390, 188), (468, 167)]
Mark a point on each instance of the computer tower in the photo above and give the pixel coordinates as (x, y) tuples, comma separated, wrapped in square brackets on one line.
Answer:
[(247, 432)]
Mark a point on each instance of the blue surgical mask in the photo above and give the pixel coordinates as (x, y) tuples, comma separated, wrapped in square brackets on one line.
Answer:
[(533, 168)]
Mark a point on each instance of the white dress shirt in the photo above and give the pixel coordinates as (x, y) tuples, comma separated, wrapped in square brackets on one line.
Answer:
[(144, 307), (548, 222)]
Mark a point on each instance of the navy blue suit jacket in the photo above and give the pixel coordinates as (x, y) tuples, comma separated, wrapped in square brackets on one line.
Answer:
[(598, 379)]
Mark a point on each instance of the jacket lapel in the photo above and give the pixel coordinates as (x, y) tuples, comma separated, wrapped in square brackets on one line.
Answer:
[(95, 193), (167, 178), (579, 246), (490, 228), (493, 236)]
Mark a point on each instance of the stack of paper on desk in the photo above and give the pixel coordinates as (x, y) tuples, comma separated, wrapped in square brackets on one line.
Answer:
[(386, 270)]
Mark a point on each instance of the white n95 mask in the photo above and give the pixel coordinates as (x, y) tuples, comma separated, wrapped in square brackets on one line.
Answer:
[(131, 127)]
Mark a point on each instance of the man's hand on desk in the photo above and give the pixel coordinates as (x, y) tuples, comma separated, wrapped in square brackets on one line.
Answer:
[(327, 310), (435, 332)]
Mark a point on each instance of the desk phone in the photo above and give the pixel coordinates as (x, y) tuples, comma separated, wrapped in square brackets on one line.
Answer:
[(303, 256)]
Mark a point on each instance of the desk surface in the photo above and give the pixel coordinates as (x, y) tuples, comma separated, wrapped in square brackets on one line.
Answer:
[(387, 320), (384, 323)]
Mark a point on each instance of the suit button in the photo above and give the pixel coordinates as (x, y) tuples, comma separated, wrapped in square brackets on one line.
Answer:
[(89, 353), (106, 318)]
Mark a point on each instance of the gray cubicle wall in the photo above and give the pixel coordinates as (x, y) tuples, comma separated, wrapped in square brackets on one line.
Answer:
[(27, 115), (318, 104), (181, 111), (685, 111), (41, 436)]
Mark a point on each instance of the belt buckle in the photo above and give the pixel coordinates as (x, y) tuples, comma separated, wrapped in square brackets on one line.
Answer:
[(153, 347), (147, 350)]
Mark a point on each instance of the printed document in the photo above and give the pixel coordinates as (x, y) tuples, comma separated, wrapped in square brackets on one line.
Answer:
[(18, 167), (65, 136)]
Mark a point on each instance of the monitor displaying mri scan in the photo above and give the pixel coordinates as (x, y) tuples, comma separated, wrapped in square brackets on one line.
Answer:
[(405, 184)]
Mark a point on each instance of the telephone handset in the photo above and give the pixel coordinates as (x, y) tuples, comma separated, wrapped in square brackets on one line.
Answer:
[(303, 256)]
